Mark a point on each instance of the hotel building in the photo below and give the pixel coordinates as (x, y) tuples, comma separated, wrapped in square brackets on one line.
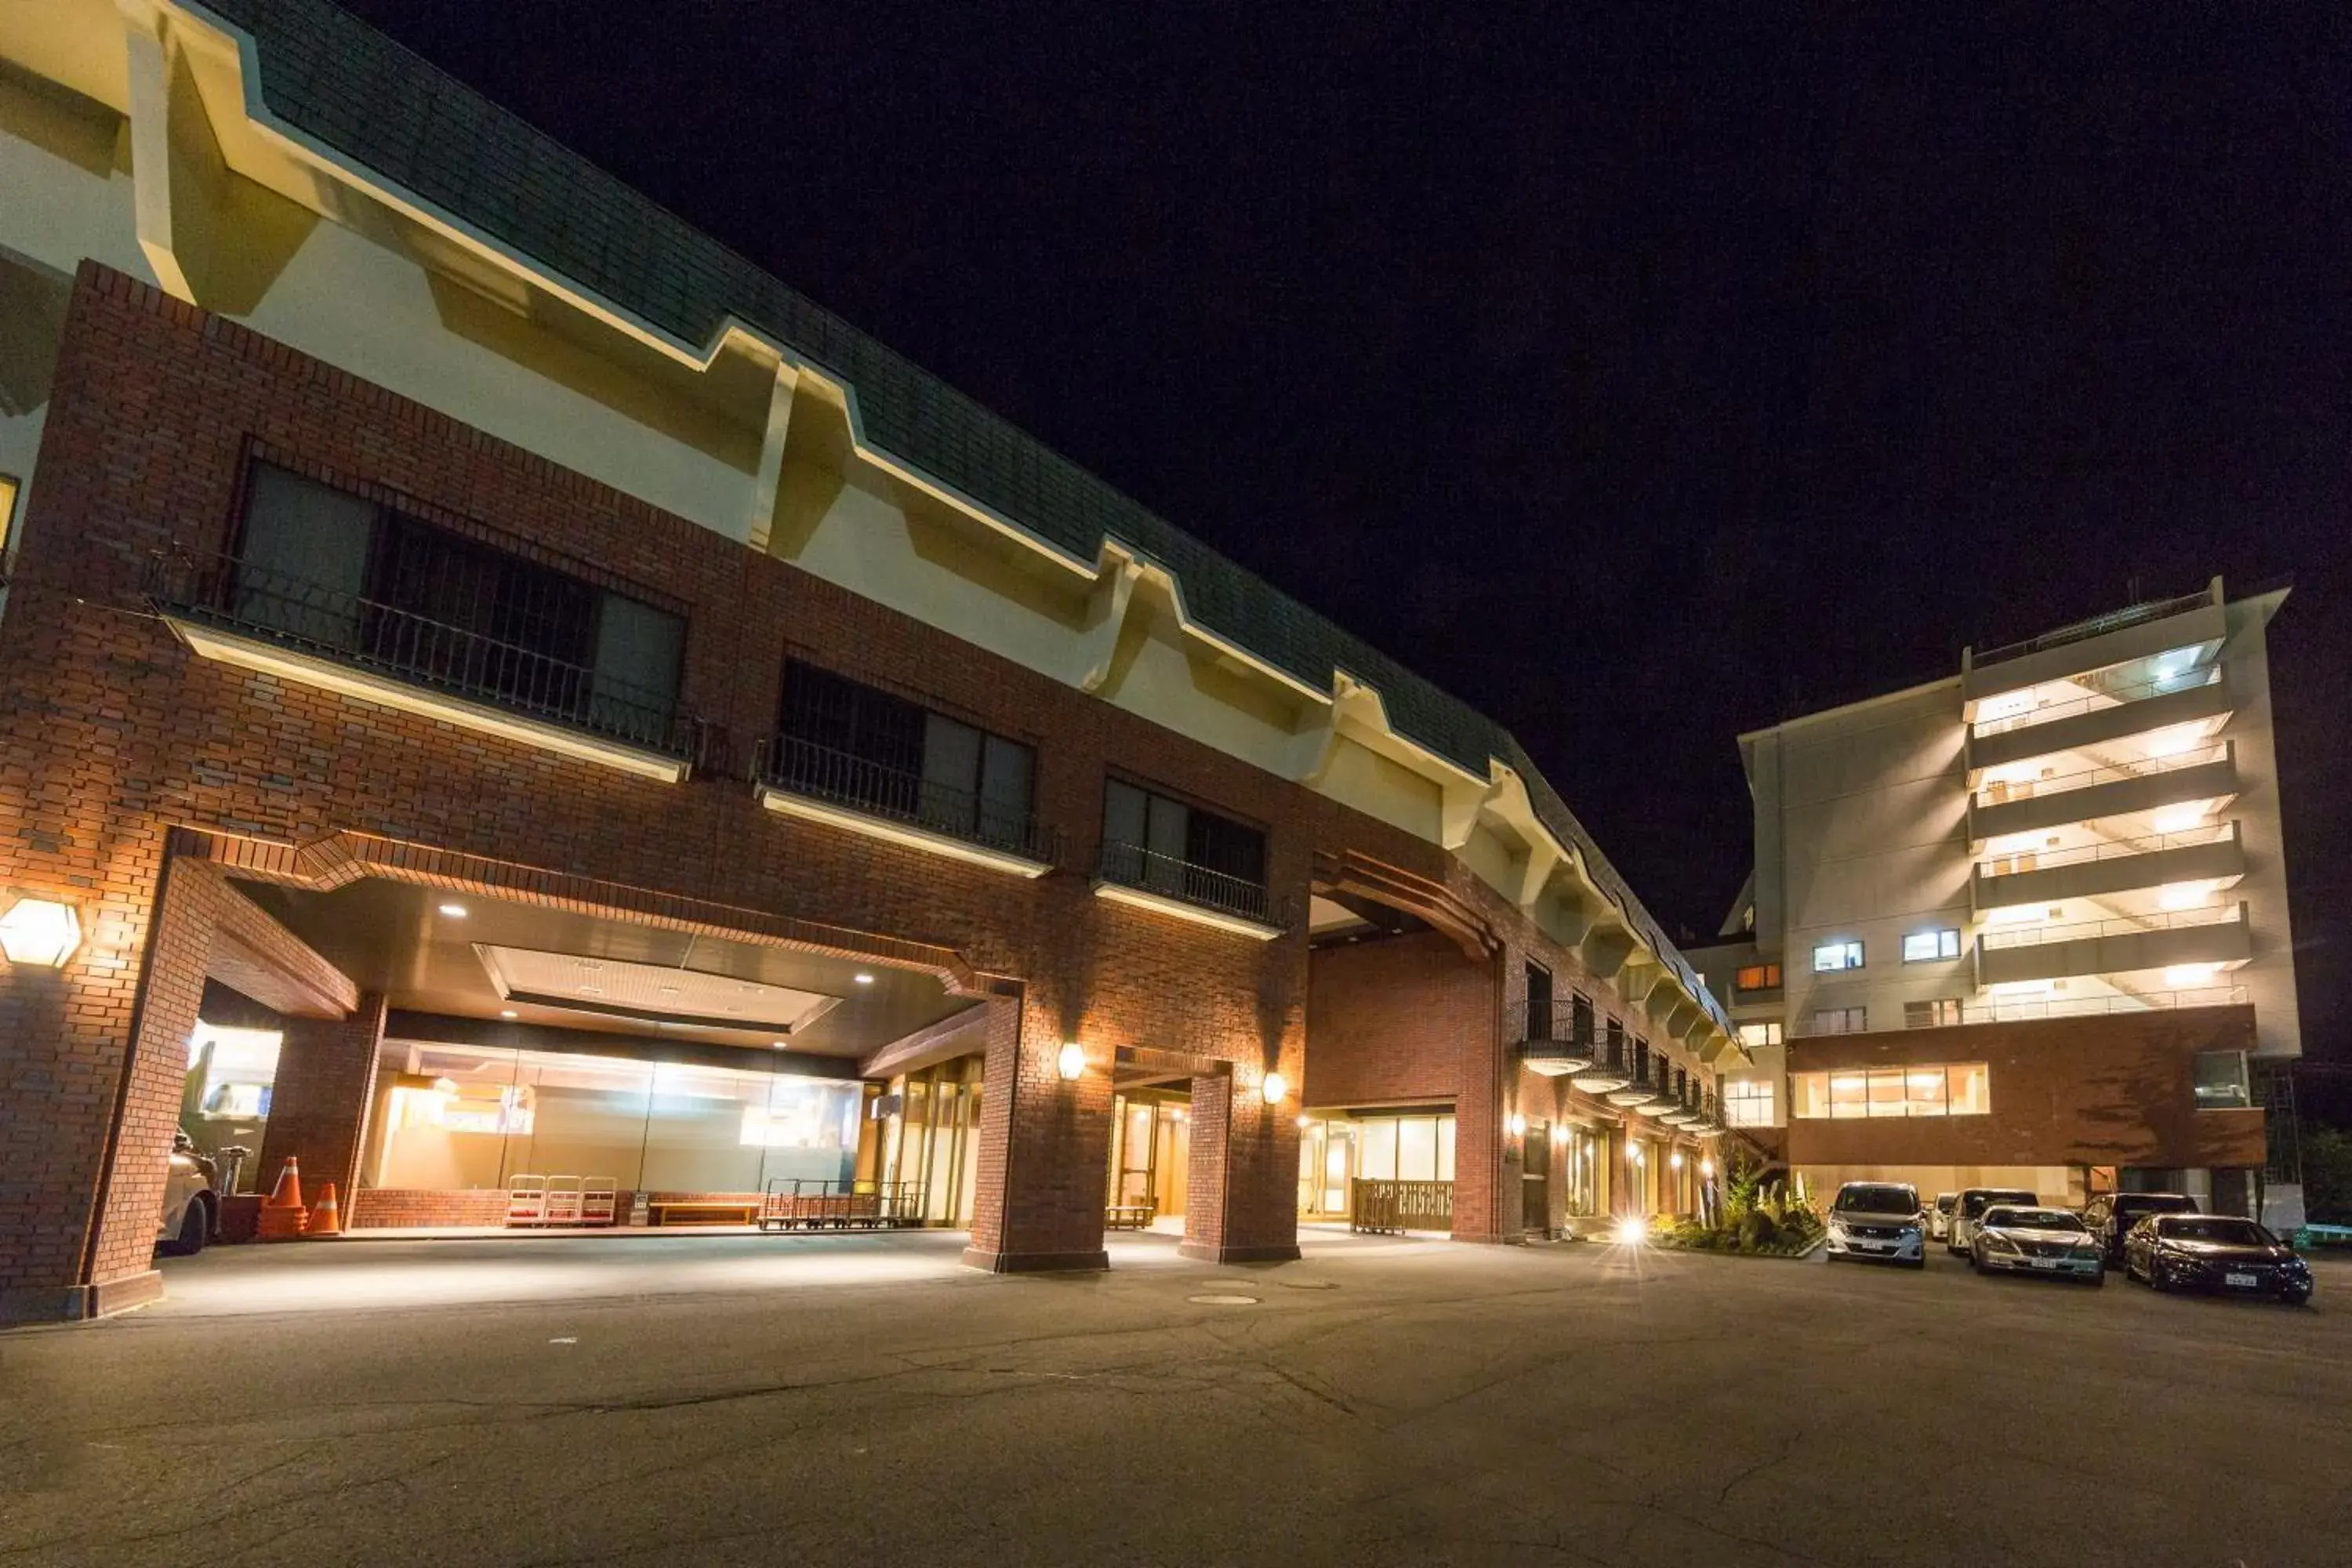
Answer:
[(2027, 925), (510, 705)]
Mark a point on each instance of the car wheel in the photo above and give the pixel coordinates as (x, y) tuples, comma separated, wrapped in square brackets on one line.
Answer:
[(2156, 1279), (195, 1229)]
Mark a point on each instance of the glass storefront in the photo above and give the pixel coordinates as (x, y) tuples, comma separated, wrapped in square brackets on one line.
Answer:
[(232, 1074), (1588, 1171), (1150, 1149), (932, 1143), (455, 1117), (1334, 1151)]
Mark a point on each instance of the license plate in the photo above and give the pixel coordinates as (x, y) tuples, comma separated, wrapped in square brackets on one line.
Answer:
[(2246, 1280), (2043, 1262)]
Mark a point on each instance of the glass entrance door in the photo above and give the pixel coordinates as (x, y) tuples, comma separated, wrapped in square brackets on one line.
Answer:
[(1535, 1177)]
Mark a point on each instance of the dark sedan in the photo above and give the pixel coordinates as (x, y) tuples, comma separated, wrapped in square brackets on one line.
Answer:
[(2112, 1216), (2214, 1252)]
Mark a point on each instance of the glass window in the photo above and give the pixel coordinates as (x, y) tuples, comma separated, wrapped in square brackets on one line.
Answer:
[(1886, 1091), (849, 742), (1849, 1095), (2221, 1081), (1417, 1148), (1971, 1091), (1924, 1090), (1923, 945), (1757, 977), (1831, 956), (1748, 1102), (1445, 1148), (232, 1075), (1755, 1034), (1939, 1012), (1841, 1020), (1377, 1148), (1809, 1095)]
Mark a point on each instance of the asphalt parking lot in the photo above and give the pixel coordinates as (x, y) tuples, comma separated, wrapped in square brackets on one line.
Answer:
[(847, 1400)]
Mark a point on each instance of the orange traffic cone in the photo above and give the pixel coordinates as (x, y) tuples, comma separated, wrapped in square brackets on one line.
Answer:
[(282, 1213), (325, 1218)]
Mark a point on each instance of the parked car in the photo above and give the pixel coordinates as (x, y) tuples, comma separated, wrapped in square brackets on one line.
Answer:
[(1969, 1206), (1878, 1220), (1939, 1216), (191, 1204), (2111, 1216), (2011, 1238), (2215, 1252)]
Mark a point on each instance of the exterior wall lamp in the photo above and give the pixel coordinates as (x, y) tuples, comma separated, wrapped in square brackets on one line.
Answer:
[(39, 934), (1274, 1087), (1676, 1160), (1706, 1169), (1518, 1125), (1071, 1061)]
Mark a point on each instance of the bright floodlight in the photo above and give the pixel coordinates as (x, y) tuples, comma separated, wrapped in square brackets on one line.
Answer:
[(39, 932), (1072, 1062), (1632, 1230), (1273, 1087)]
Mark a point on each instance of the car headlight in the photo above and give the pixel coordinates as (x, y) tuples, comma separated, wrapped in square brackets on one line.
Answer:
[(1998, 1242), (2086, 1251)]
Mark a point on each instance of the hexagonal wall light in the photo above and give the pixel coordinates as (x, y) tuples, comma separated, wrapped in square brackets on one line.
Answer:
[(40, 933)]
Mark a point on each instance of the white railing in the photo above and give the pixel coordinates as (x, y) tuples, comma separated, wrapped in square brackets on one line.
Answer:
[(2024, 860), (2000, 792), (2114, 697), (2121, 925), (2063, 1007)]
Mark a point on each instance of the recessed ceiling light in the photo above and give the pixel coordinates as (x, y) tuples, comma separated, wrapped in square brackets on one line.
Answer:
[(590, 963), (777, 1046), (508, 1012), (455, 912), (863, 978), (669, 990), (592, 991)]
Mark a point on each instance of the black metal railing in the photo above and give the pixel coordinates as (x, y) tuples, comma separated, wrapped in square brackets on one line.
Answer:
[(1557, 1032), (804, 768), (1147, 870), (303, 616), (1377, 1203), (795, 1202)]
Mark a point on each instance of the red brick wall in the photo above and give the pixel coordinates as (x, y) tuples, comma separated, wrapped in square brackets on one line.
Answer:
[(318, 1107), (1389, 1019), (110, 734), (372, 1208), (2104, 1090)]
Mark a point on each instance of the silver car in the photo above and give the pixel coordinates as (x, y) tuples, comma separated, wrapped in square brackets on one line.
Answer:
[(1969, 1206), (2011, 1238), (190, 1205), (1877, 1220)]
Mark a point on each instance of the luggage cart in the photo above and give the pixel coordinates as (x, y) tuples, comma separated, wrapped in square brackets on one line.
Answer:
[(526, 1201), (599, 1201), (562, 1200)]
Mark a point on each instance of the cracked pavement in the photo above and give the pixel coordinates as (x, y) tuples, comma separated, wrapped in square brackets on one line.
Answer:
[(860, 1399)]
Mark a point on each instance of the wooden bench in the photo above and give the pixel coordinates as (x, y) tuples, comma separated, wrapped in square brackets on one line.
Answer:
[(702, 1211), (1130, 1216)]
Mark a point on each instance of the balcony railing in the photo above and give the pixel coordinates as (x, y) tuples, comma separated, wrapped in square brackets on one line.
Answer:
[(2012, 1012), (1552, 1037), (1378, 1203), (2097, 626), (1149, 872), (293, 613), (2121, 925), (802, 767), (2026, 860), (2116, 697), (2000, 792)]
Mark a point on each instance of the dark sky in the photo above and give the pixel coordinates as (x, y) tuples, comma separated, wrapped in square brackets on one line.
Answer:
[(1640, 378)]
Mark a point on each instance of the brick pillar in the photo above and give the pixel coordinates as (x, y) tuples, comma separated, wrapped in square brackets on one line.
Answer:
[(1481, 1127), (1045, 1147), (95, 1059), (319, 1106)]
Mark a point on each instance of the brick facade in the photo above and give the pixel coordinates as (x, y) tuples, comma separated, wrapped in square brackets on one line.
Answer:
[(111, 735), (326, 1068), (2110, 1088)]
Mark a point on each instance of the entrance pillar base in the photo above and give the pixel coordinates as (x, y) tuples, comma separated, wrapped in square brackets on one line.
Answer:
[(1210, 1252), (78, 1303), (1035, 1262)]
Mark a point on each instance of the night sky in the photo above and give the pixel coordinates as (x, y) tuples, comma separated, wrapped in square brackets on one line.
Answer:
[(1640, 380)]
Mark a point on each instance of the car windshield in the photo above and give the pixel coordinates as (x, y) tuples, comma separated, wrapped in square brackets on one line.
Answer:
[(1944, 1202), (2033, 1219), (2209, 1227), (1975, 1204), (2155, 1203), (1877, 1200)]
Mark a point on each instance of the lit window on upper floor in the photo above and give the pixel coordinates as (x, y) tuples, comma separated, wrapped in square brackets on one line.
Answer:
[(1960, 1089), (1922, 946), (1941, 1012), (1839, 1021), (1833, 956), (2220, 1081), (1748, 1102), (1755, 1034), (1756, 977)]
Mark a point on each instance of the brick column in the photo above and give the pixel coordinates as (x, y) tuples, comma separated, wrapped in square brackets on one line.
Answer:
[(1481, 1127), (319, 1106), (95, 1059), (1044, 1148)]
